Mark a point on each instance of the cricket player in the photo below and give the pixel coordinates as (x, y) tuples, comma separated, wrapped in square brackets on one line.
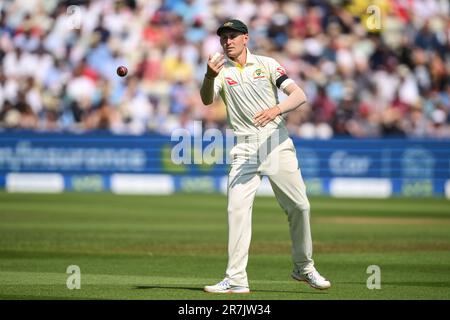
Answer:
[(248, 85)]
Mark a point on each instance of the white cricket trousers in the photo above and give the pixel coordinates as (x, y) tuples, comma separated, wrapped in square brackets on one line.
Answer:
[(250, 160)]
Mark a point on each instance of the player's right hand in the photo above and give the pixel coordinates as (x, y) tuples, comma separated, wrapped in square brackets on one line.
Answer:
[(214, 66)]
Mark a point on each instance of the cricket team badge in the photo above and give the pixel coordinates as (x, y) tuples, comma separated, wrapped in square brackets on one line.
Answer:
[(258, 74)]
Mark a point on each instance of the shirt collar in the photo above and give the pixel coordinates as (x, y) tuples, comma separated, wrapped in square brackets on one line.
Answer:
[(250, 59)]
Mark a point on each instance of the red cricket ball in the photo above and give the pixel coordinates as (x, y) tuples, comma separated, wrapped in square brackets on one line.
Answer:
[(122, 71)]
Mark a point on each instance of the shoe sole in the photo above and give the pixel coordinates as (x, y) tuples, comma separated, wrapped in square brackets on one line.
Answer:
[(227, 292), (301, 280)]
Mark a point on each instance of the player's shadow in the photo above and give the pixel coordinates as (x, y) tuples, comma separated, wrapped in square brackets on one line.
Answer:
[(431, 284), (168, 287), (201, 289)]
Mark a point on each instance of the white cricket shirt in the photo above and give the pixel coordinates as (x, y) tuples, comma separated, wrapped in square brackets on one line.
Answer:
[(249, 89)]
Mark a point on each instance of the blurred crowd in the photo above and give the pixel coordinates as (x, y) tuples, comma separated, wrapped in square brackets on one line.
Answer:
[(363, 77)]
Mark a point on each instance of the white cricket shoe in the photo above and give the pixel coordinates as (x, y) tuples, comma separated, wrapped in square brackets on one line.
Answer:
[(224, 286), (314, 279)]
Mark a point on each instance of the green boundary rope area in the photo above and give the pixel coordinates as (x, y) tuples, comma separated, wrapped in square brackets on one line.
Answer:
[(169, 247)]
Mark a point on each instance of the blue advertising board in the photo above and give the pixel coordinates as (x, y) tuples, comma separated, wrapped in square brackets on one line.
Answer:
[(86, 161)]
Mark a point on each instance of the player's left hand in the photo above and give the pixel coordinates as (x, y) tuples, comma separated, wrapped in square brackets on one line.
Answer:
[(264, 117)]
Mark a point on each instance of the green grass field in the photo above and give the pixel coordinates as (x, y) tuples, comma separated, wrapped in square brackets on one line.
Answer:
[(169, 247)]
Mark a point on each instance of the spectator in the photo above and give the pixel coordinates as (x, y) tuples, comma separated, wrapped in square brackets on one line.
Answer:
[(360, 82)]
